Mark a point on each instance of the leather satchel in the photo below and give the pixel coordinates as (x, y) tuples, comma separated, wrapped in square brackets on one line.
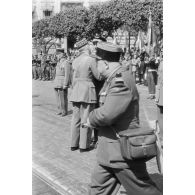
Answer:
[(138, 144)]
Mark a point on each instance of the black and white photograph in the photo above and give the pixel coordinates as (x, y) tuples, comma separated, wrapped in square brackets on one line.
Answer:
[(97, 97)]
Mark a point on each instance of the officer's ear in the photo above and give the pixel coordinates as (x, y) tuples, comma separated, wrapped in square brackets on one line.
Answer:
[(106, 65)]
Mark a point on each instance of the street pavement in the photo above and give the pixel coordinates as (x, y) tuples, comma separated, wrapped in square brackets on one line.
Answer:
[(68, 172), (40, 187)]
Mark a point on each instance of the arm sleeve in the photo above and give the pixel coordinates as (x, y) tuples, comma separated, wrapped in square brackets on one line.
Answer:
[(67, 74), (116, 103), (94, 69)]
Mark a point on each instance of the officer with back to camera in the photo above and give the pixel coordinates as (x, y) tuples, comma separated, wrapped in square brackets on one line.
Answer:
[(83, 95)]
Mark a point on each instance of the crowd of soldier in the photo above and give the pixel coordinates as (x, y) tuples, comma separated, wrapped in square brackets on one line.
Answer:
[(43, 67)]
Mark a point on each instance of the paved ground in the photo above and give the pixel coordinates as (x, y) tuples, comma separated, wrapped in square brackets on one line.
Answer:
[(40, 187), (65, 171)]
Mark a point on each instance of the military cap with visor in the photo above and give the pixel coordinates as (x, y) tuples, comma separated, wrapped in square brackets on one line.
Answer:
[(81, 43), (109, 51)]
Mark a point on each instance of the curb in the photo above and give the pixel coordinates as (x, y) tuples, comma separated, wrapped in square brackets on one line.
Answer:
[(51, 181)]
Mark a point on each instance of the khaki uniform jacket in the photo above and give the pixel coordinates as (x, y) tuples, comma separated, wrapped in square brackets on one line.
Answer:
[(118, 110), (84, 70), (159, 90), (62, 77)]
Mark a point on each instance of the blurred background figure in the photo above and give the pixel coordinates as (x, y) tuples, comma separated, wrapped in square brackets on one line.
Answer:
[(141, 65), (151, 68), (61, 82), (134, 65), (47, 68), (53, 64), (34, 67)]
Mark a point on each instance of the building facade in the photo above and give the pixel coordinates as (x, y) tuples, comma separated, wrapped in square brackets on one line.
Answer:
[(47, 8)]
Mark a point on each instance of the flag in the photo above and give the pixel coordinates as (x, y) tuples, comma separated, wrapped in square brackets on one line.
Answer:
[(140, 41), (151, 36), (115, 41)]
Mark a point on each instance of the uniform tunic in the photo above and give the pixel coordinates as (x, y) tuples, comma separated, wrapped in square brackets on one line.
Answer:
[(61, 80), (119, 110), (83, 97)]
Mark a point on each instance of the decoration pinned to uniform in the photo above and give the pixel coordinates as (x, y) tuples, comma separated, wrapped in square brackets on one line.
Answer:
[(118, 78)]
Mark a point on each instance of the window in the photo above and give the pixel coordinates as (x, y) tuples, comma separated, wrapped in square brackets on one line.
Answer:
[(47, 13)]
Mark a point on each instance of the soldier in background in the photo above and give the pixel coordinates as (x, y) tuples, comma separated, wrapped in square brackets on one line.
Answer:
[(39, 66), (48, 68), (43, 66), (151, 67), (53, 64), (118, 111), (83, 96), (34, 68), (61, 82), (141, 67)]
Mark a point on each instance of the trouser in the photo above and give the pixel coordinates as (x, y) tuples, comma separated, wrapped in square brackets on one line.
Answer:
[(42, 71), (135, 180), (151, 80), (80, 137), (134, 75), (62, 99), (47, 73), (39, 71), (52, 73), (34, 73), (140, 77), (160, 120)]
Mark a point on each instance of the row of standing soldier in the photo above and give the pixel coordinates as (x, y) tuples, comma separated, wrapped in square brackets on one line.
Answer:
[(43, 67)]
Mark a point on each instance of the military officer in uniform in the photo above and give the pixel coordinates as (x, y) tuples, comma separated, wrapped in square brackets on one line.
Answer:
[(34, 67), (61, 83), (53, 67), (43, 66), (39, 66), (48, 68), (83, 95), (118, 111)]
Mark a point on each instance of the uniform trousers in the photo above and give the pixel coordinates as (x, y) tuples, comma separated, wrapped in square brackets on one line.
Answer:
[(134, 75), (34, 72), (151, 81), (135, 180), (52, 73), (47, 73), (42, 75), (62, 99), (80, 137)]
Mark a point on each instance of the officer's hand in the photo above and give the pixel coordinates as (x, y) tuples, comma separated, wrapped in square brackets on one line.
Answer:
[(87, 124)]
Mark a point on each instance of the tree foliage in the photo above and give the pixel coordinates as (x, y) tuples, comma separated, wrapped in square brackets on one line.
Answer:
[(80, 22)]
